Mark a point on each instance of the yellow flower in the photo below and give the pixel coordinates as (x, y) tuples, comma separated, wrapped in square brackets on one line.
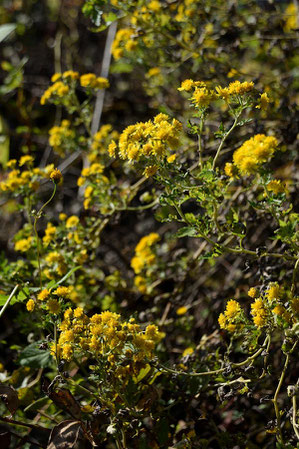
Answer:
[(53, 306), (154, 5), (149, 171), (171, 158), (232, 73), (252, 292), (232, 309), (23, 245), (26, 160), (62, 217), (274, 292), (254, 152), (229, 169), (67, 351), (55, 77), (259, 320), (78, 312), (279, 310), (263, 101), (154, 71), (182, 310), (186, 85), (11, 164), (70, 74), (202, 97), (222, 321), (30, 305), (44, 294), (188, 351), (72, 221), (140, 283), (56, 175), (102, 83), (112, 149), (62, 291), (276, 186)]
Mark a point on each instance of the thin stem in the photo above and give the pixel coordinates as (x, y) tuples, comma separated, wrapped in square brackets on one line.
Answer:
[(293, 288), (8, 300), (294, 416), (274, 400), (139, 208), (37, 216), (246, 251), (21, 423), (215, 215), (220, 370), (199, 142), (224, 139)]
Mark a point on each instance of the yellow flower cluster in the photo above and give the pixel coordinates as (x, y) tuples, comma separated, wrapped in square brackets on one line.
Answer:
[(259, 312), (186, 10), (230, 319), (149, 139), (100, 141), (20, 181), (276, 186), (60, 137), (268, 306), (23, 245), (46, 299), (49, 234), (55, 265), (291, 17), (58, 89), (144, 256), (271, 307), (94, 82), (264, 101), (95, 176), (63, 83), (124, 40), (234, 88), (202, 95), (254, 152), (69, 74), (72, 222), (141, 284), (104, 335)]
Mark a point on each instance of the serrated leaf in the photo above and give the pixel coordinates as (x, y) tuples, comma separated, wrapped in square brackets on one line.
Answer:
[(34, 357)]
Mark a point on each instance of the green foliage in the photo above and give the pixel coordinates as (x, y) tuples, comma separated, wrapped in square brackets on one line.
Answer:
[(149, 282)]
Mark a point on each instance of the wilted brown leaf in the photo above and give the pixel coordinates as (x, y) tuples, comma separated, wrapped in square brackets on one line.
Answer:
[(10, 397), (65, 435)]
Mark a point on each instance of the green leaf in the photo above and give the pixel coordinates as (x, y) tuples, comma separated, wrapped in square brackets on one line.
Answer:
[(37, 404), (121, 67), (34, 357), (186, 231), (19, 297), (142, 373), (53, 284)]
